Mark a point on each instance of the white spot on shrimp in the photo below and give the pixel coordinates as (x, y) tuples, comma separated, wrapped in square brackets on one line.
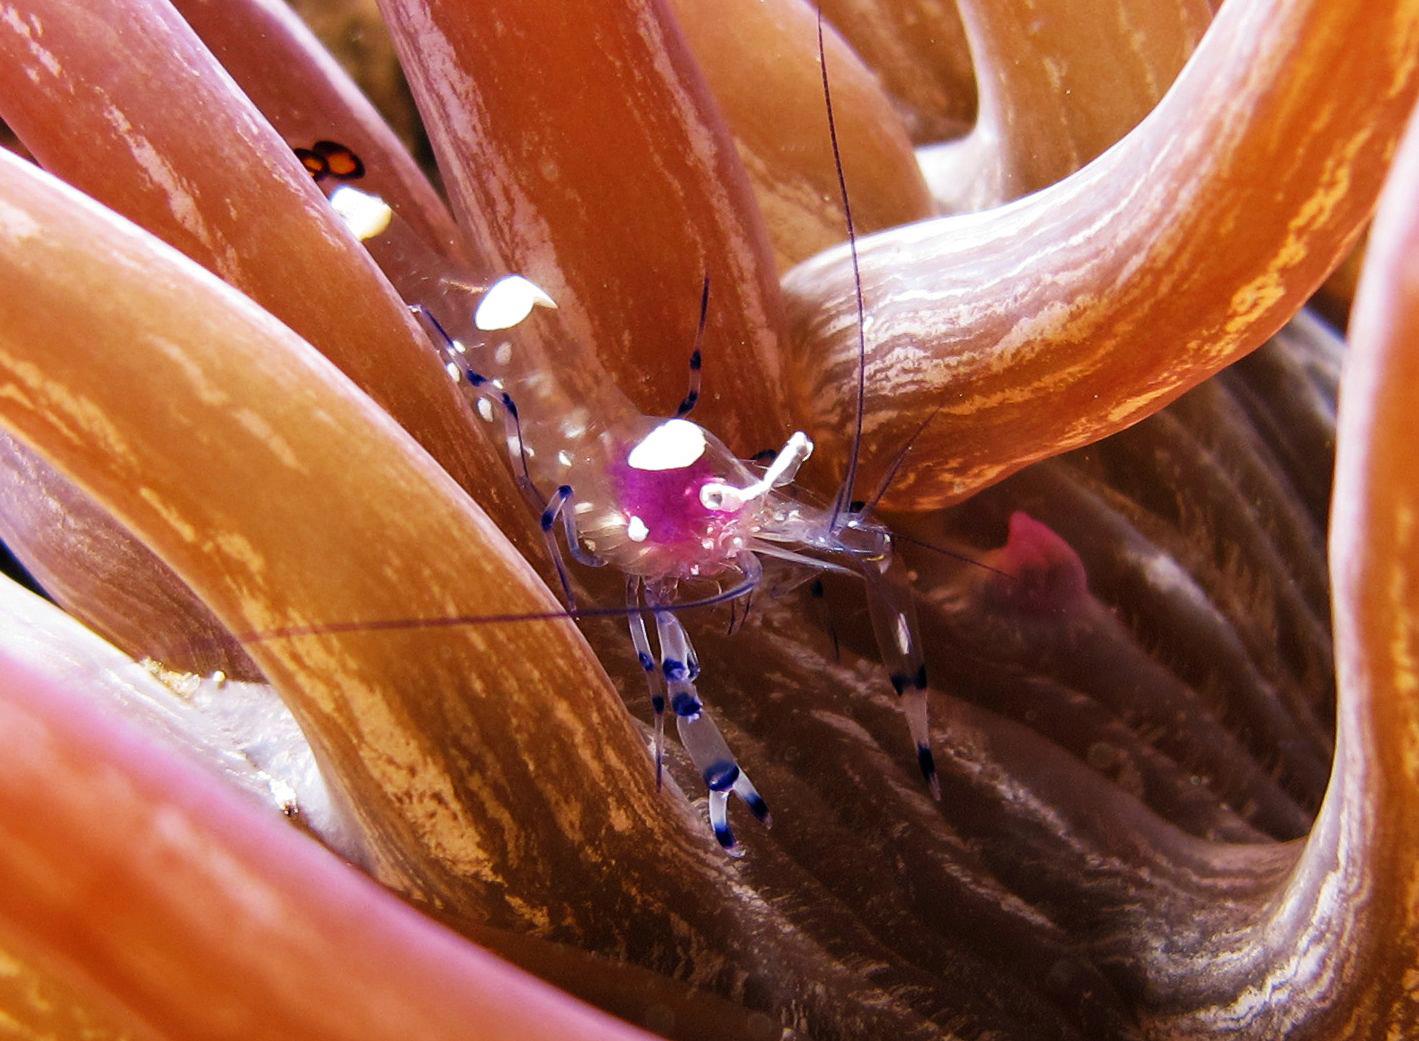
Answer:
[(365, 215), (904, 636), (452, 371), (504, 353), (673, 445), (636, 530), (564, 457), (508, 301), (485, 409)]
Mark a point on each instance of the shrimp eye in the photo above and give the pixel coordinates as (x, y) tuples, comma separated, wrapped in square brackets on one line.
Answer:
[(341, 162), (315, 164)]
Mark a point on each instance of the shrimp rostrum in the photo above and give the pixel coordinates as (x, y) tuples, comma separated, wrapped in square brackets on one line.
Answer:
[(659, 499)]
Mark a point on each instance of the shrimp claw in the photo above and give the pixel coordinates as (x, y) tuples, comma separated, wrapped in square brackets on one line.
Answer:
[(700, 736)]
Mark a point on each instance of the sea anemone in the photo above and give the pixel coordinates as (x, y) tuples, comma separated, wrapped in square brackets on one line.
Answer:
[(1171, 809)]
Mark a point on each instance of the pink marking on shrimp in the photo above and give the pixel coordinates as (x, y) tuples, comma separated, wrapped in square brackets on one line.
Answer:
[(665, 505)]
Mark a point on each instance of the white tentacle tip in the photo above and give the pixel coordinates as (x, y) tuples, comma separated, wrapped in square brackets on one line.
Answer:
[(508, 301)]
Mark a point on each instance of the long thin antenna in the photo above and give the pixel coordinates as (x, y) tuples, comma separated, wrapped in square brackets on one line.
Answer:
[(845, 494), (901, 457), (376, 625), (897, 536)]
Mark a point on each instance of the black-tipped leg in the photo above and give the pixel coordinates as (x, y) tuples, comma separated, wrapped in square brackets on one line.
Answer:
[(916, 720), (719, 821), (700, 736), (744, 788), (927, 762), (722, 777), (692, 396), (480, 388), (641, 639), (889, 602), (913, 694), (555, 507)]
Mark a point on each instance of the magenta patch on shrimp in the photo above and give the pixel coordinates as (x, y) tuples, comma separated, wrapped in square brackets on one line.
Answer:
[(667, 503), (1046, 573)]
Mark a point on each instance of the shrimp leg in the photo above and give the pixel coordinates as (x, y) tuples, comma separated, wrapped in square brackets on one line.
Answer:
[(893, 613), (692, 396), (556, 506), (698, 733), (641, 639), (486, 392), (560, 505)]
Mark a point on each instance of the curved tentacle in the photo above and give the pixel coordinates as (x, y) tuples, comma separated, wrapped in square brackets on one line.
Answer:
[(1106, 295)]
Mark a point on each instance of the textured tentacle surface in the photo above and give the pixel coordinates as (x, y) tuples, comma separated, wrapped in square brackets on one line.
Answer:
[(1063, 317), (1134, 729), (92, 94), (1047, 106)]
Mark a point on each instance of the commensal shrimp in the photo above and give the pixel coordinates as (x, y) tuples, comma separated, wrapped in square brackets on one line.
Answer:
[(658, 498)]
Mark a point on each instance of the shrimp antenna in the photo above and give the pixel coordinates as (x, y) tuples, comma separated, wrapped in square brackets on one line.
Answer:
[(693, 397), (897, 462), (871, 504), (742, 588), (844, 496), (897, 536)]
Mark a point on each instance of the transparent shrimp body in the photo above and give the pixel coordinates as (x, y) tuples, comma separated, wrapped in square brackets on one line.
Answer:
[(666, 501), (661, 500)]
